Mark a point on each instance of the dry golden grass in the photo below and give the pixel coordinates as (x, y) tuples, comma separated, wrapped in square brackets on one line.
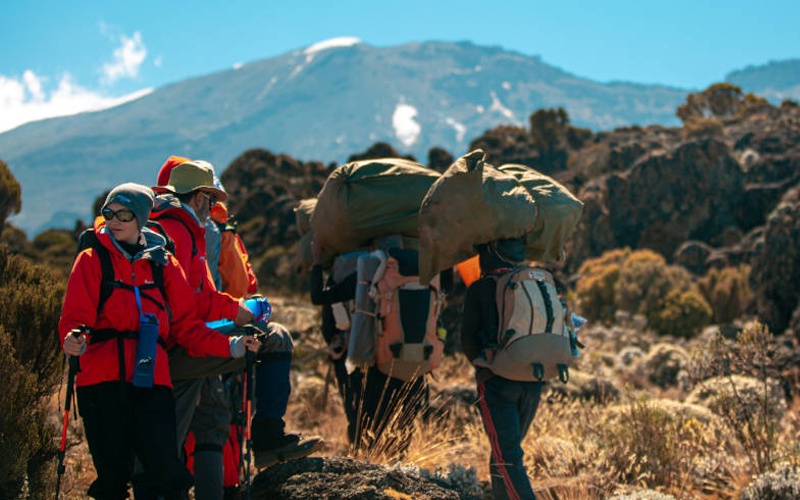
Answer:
[(575, 449)]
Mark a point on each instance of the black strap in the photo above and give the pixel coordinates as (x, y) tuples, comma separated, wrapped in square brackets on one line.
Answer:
[(548, 305), (157, 227), (108, 282), (161, 230), (107, 334), (88, 239)]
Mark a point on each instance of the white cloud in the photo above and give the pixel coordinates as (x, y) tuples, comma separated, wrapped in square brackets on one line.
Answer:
[(128, 57), (237, 65), (158, 61), (461, 130), (406, 129), (25, 100)]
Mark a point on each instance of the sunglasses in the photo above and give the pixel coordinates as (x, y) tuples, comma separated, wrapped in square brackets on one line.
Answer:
[(123, 215), (212, 200)]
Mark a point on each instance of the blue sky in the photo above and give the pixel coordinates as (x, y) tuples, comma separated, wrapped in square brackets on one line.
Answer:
[(62, 57)]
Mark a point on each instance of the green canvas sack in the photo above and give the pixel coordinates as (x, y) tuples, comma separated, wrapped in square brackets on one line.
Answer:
[(364, 200), (472, 203)]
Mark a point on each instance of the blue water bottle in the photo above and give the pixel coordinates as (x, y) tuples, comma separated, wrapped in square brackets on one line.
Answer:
[(146, 351)]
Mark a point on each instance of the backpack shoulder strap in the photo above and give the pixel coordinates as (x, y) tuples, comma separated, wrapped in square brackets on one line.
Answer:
[(188, 230), (88, 239), (157, 227), (158, 279)]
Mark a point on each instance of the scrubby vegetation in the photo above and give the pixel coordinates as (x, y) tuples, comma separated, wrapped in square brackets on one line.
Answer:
[(30, 367), (641, 282)]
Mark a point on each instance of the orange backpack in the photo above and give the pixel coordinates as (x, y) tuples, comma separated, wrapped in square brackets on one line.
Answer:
[(407, 345), (234, 263)]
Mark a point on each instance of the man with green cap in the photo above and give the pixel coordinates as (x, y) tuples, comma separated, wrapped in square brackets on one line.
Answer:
[(182, 210)]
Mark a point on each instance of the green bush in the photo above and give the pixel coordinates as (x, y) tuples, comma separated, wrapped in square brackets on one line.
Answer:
[(31, 365), (655, 442), (727, 291), (645, 281), (595, 288), (641, 282), (682, 314), (10, 193)]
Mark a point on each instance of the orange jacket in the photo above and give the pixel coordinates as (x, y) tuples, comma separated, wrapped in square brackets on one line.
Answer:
[(100, 362), (189, 238), (235, 270)]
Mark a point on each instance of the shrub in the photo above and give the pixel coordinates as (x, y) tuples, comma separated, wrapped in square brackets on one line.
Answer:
[(704, 127), (656, 442), (595, 288), (641, 282), (645, 280), (727, 291), (783, 483), (642, 495), (751, 409), (17, 410), (743, 396), (662, 364), (682, 314), (31, 365), (10, 193)]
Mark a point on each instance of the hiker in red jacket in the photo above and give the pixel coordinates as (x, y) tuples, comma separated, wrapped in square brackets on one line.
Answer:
[(126, 403), (182, 209)]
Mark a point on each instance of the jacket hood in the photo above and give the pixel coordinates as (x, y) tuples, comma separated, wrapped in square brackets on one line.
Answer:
[(154, 243)]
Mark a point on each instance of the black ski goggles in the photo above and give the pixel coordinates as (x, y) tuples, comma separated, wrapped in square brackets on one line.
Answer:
[(123, 215)]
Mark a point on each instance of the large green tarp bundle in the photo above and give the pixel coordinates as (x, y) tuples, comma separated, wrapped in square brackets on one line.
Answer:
[(302, 215), (557, 213), (472, 203), (367, 199)]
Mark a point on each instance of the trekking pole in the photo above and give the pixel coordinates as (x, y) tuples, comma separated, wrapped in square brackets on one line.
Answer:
[(248, 404), (74, 368)]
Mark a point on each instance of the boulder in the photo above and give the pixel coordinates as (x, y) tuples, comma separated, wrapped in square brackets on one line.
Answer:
[(338, 478)]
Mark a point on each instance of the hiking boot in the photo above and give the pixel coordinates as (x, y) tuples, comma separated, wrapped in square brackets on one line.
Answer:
[(289, 447)]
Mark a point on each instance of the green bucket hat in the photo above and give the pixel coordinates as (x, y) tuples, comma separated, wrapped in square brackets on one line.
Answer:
[(190, 176)]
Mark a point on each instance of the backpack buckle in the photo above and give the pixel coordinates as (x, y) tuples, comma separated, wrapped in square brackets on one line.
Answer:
[(538, 371), (396, 348)]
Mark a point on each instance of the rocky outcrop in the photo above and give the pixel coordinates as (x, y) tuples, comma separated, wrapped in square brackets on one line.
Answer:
[(775, 276), (664, 199), (264, 189), (336, 478)]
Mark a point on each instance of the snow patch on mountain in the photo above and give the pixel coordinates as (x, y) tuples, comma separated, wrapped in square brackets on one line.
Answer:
[(406, 129), (340, 41), (498, 106)]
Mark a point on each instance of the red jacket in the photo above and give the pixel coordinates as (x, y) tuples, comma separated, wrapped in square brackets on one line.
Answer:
[(100, 362), (190, 238)]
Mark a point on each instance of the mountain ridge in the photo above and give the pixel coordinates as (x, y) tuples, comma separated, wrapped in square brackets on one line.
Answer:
[(322, 105)]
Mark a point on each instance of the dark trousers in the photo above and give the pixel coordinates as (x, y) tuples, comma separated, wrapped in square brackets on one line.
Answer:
[(349, 385), (386, 409), (507, 410), (143, 424)]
